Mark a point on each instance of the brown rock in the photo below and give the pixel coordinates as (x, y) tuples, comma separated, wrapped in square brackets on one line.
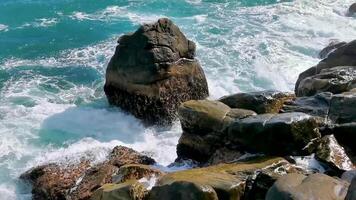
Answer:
[(135, 172), (260, 102), (53, 181), (153, 71)]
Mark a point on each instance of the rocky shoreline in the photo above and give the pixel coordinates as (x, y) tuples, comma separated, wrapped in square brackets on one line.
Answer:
[(244, 146)]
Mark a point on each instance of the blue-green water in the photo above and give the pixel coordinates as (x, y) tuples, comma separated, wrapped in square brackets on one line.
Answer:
[(53, 55)]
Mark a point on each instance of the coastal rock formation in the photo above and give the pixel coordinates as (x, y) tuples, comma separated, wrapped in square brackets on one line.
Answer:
[(101, 174), (131, 190), (352, 10), (153, 71), (343, 107), (204, 123), (342, 56), (300, 187), (78, 182), (330, 48), (335, 80), (53, 181), (260, 102), (317, 105), (351, 194), (135, 172), (226, 181), (275, 134), (329, 151)]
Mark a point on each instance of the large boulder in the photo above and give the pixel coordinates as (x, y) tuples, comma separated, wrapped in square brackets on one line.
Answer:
[(203, 123), (343, 107), (227, 181), (275, 134), (260, 102), (153, 71), (79, 181), (317, 105), (301, 187), (334, 44), (335, 80), (342, 56), (135, 172), (130, 190)]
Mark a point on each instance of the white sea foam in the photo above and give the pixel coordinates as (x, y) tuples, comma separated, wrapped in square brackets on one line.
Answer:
[(115, 13), (3, 27)]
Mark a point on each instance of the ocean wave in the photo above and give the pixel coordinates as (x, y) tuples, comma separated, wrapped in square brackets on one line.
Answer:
[(115, 13)]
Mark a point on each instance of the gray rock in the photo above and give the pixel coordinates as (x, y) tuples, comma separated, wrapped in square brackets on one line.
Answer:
[(332, 153), (343, 107), (335, 80), (330, 48), (260, 102), (153, 71), (300, 187), (352, 10), (345, 135), (342, 56), (349, 175), (317, 105), (351, 194), (275, 134)]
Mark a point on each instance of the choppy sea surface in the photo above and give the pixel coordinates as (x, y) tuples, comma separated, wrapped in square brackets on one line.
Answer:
[(53, 56)]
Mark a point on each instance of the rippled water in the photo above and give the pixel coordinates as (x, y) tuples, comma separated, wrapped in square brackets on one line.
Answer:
[(53, 56)]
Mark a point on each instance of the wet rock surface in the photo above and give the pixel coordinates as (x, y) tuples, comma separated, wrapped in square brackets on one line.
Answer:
[(153, 71), (131, 190), (260, 102), (330, 48), (317, 105), (275, 134), (332, 153), (342, 56), (79, 181), (335, 80), (227, 180), (300, 187)]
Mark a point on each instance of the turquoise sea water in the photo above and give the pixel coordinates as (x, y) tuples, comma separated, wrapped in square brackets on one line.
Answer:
[(53, 55)]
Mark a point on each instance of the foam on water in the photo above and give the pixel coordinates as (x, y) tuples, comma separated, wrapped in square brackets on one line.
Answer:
[(53, 109)]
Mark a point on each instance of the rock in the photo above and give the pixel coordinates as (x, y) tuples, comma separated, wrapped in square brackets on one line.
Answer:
[(275, 134), (227, 180), (352, 10), (334, 44), (329, 151), (224, 155), (349, 175), (300, 187), (103, 173), (200, 117), (135, 172), (182, 190), (335, 80), (343, 107), (260, 102), (53, 181), (317, 105), (153, 71), (342, 56), (345, 135), (351, 194), (131, 190), (203, 123), (121, 155)]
